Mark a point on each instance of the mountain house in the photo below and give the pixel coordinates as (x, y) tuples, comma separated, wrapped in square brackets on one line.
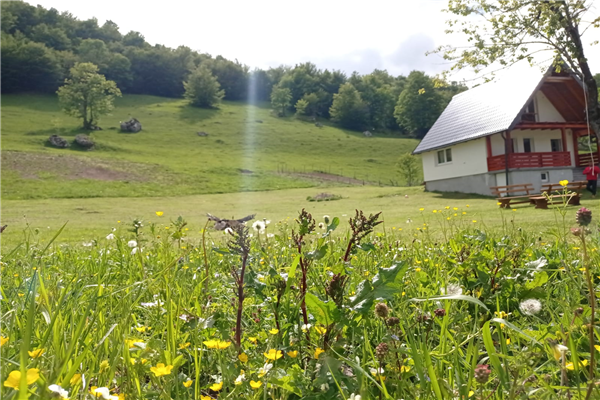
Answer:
[(529, 127)]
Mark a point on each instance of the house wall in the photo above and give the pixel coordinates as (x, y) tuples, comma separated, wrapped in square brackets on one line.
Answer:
[(545, 110), (468, 158), (478, 184)]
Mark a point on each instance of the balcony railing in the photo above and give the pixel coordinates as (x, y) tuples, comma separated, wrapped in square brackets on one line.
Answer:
[(530, 160)]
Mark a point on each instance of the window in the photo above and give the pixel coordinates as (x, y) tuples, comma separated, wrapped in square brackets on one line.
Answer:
[(444, 156), (545, 177), (556, 145), (527, 145)]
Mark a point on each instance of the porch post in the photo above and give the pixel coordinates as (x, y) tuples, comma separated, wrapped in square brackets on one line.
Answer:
[(488, 143), (575, 146), (564, 139)]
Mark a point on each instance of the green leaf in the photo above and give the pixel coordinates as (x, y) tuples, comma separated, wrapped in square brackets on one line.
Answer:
[(334, 224), (385, 284), (491, 350), (514, 328), (540, 279), (285, 383), (366, 247), (318, 253), (456, 297), (292, 270), (325, 313)]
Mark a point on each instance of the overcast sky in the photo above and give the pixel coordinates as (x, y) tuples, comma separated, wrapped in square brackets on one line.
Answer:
[(345, 35)]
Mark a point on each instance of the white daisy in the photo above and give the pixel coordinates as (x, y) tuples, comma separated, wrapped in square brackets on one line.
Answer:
[(110, 236), (132, 243), (59, 392)]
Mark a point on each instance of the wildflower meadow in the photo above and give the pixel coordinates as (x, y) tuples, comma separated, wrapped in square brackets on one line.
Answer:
[(313, 307)]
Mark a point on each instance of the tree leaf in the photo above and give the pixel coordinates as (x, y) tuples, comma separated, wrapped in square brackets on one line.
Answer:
[(325, 313)]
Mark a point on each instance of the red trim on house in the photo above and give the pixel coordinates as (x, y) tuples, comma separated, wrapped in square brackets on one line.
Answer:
[(551, 125), (563, 135), (530, 160)]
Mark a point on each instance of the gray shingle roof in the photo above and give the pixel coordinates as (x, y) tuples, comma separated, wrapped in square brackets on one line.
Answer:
[(484, 110)]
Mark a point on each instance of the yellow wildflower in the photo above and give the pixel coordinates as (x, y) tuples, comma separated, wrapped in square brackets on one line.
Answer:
[(184, 345), (14, 378), (294, 353), (142, 328), (243, 357), (104, 365), (187, 383), (318, 351), (205, 397), (255, 385), (273, 354), (404, 368), (597, 347), (36, 353), (75, 379), (215, 387), (161, 369), (321, 330), (3, 340), (160, 214), (564, 183), (571, 367), (274, 331)]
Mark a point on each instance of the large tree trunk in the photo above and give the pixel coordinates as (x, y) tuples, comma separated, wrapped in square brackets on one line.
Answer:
[(591, 87)]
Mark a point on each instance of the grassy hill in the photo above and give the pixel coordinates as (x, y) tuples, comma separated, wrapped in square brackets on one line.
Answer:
[(247, 149)]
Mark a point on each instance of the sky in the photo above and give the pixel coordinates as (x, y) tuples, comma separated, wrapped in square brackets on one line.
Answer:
[(345, 35)]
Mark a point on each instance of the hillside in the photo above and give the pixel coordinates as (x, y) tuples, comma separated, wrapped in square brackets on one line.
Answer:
[(247, 149)]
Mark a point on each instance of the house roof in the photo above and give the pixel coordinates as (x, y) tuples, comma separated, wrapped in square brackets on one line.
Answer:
[(484, 110)]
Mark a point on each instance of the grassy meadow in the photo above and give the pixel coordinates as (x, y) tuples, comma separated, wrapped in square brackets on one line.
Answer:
[(246, 149)]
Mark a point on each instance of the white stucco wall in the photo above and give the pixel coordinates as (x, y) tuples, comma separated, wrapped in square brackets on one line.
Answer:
[(468, 158), (545, 110)]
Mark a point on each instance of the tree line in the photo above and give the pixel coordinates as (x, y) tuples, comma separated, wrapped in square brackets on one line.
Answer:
[(40, 46)]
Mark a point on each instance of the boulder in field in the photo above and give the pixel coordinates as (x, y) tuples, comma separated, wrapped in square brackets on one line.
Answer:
[(84, 141), (133, 126), (58, 142)]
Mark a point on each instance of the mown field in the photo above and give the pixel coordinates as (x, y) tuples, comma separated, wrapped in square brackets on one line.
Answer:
[(307, 309), (246, 149)]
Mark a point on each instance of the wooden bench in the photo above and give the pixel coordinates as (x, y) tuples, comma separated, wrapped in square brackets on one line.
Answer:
[(573, 197), (511, 194)]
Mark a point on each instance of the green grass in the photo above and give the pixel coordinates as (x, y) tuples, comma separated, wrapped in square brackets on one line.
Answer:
[(168, 158), (95, 217)]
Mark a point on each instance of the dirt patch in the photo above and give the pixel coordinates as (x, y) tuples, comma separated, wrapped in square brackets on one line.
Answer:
[(37, 165), (324, 177)]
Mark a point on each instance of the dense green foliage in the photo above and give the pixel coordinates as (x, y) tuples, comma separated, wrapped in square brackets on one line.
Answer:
[(348, 108), (409, 167), (39, 46), (281, 99), (202, 89), (87, 94), (322, 310)]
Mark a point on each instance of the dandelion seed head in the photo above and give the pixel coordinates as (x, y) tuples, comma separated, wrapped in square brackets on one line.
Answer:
[(530, 306)]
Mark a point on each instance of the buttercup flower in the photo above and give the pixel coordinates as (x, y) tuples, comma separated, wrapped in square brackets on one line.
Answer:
[(564, 183), (243, 357), (14, 378), (161, 369), (293, 354), (215, 387), (159, 213), (36, 353), (571, 367), (216, 344), (75, 379), (273, 354), (188, 383), (321, 330), (3, 340), (318, 351), (59, 392), (255, 385), (274, 331)]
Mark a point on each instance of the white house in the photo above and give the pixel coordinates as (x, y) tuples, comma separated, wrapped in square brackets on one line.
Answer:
[(526, 128)]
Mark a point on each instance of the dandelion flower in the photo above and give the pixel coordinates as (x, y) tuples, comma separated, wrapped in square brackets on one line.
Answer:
[(188, 383), (14, 378), (36, 353), (273, 354), (294, 353), (161, 369), (318, 351), (452, 289), (132, 244), (75, 379), (159, 213), (110, 236), (274, 331), (215, 387), (59, 392), (530, 306), (255, 385), (3, 340)]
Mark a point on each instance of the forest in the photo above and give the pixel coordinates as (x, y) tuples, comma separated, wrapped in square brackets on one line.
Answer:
[(39, 46)]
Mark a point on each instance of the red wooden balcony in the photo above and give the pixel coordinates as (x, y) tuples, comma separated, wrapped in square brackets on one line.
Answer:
[(530, 160)]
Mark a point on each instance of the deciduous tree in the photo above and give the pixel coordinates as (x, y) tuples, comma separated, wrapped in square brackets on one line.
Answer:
[(348, 108), (202, 88), (281, 99), (87, 94), (504, 32), (419, 104), (408, 167)]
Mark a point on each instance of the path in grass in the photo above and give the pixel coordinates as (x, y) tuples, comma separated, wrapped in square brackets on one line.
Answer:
[(94, 218)]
